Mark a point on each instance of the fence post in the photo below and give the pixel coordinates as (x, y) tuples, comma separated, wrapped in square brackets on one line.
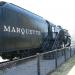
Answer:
[(38, 63), (74, 50), (65, 54), (70, 51), (56, 59)]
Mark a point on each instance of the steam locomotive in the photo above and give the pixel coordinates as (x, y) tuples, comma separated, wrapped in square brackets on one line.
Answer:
[(23, 33)]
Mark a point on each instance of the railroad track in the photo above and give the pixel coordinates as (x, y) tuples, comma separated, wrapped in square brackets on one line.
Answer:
[(15, 62)]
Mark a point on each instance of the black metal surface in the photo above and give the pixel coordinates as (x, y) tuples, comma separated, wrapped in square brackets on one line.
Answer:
[(18, 29), (2, 3)]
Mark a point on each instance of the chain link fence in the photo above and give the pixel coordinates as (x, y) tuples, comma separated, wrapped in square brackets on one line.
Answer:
[(39, 64)]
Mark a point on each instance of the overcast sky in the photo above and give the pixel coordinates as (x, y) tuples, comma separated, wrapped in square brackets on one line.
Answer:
[(59, 12)]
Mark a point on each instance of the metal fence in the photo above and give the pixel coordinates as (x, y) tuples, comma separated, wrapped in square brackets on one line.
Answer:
[(39, 64)]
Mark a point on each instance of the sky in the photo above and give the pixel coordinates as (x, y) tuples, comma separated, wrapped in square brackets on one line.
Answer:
[(59, 12)]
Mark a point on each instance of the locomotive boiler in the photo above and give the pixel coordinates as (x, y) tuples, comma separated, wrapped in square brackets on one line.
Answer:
[(23, 33)]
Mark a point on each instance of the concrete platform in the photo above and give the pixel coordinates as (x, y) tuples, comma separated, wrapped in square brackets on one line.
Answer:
[(72, 71)]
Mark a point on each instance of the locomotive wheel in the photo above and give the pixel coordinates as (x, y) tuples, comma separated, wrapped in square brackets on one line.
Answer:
[(8, 55)]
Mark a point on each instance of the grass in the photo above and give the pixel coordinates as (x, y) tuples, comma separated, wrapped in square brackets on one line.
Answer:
[(65, 68)]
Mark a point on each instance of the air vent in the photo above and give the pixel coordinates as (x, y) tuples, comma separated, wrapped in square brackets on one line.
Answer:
[(2, 3)]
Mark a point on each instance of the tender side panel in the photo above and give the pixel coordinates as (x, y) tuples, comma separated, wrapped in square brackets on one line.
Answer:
[(21, 31)]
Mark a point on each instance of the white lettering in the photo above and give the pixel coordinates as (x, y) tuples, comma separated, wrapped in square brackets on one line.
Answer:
[(21, 30), (26, 31), (18, 30), (13, 29), (30, 31), (7, 28)]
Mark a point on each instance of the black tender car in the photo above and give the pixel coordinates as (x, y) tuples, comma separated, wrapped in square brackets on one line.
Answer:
[(23, 33)]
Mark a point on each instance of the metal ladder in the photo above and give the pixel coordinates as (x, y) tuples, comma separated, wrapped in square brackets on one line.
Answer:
[(56, 42)]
